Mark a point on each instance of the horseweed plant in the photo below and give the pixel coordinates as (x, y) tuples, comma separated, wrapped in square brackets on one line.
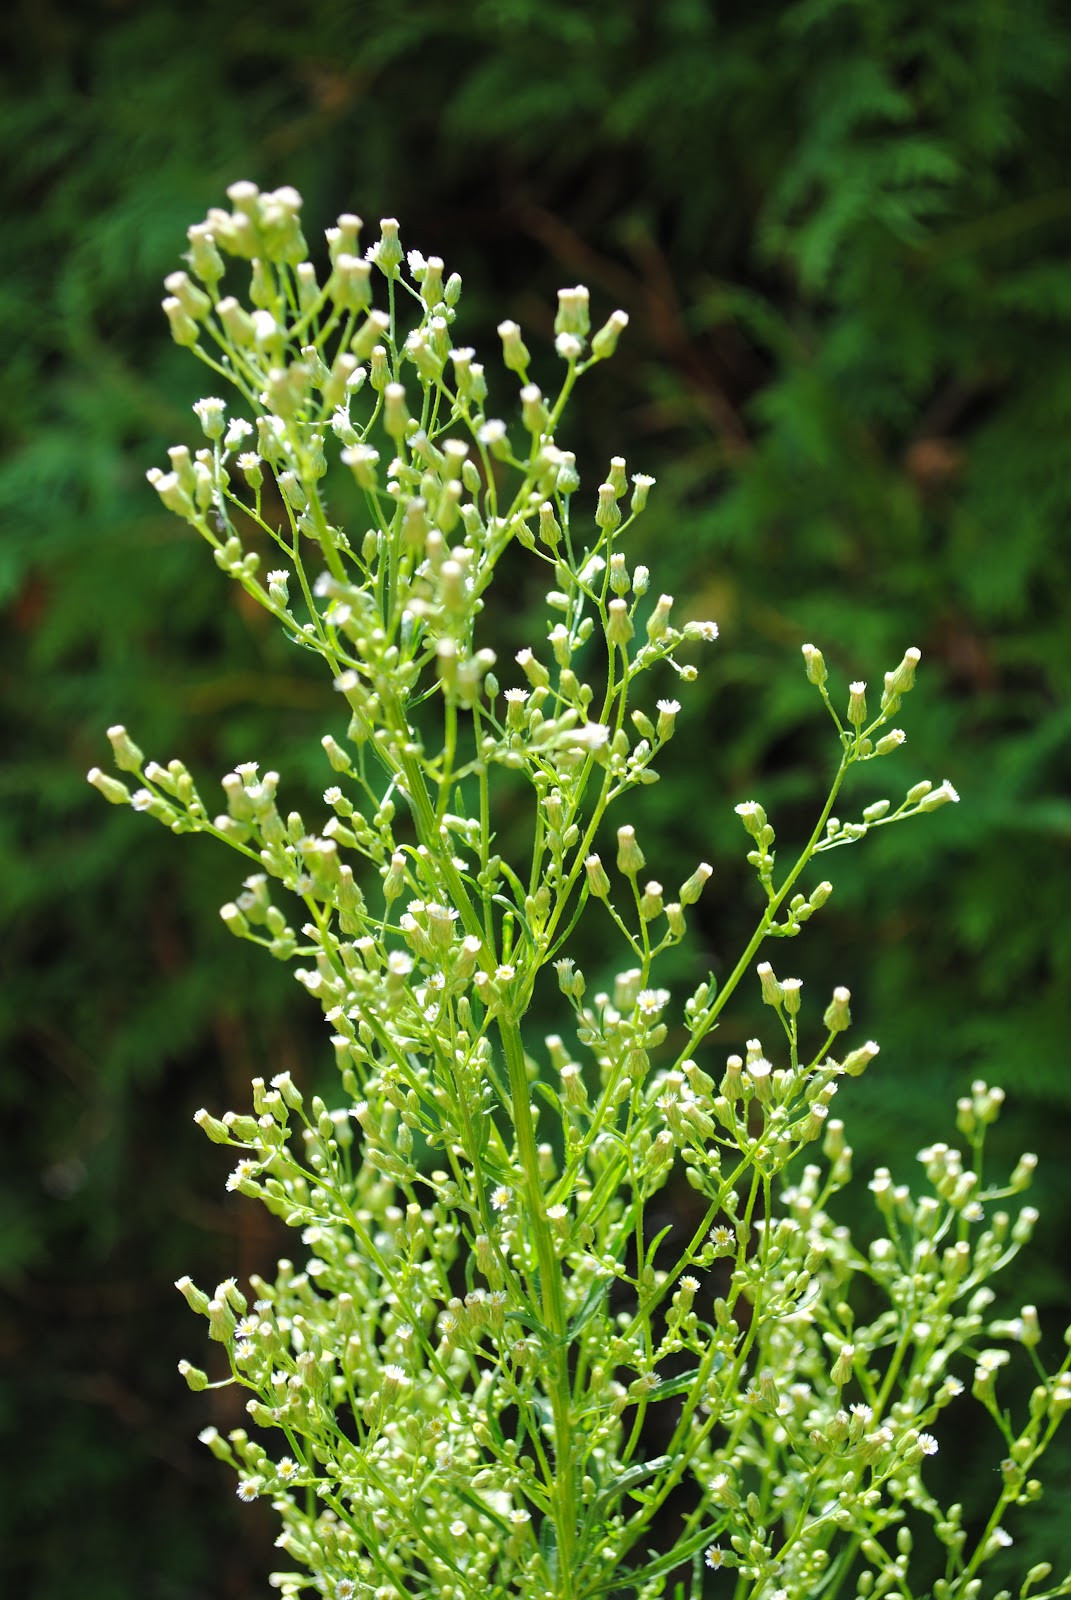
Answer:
[(465, 1376)]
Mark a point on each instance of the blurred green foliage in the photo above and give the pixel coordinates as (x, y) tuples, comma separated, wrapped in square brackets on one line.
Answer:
[(842, 232)]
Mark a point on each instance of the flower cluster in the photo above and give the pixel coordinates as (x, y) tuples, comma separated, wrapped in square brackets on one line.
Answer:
[(455, 1385)]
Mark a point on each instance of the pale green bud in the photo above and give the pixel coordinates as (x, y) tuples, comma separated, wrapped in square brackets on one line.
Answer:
[(842, 1367), (115, 792), (616, 476), (237, 323), (619, 628), (184, 330), (128, 758), (395, 411), (598, 882), (388, 251), (350, 284), (515, 353), (204, 258), (194, 302), (890, 741), (216, 1130), (233, 920), (838, 1014), (651, 901), (194, 1377), (534, 670), (658, 621), (607, 513), (534, 413), (772, 993), (857, 1061), (642, 486), (815, 664), (367, 338), (857, 704), (753, 816), (604, 343), (938, 797), (790, 992), (573, 314), (343, 238), (692, 887), (630, 858), (901, 680), (567, 480), (195, 1298)]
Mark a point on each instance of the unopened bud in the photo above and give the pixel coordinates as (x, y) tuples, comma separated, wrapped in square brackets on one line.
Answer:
[(838, 1014)]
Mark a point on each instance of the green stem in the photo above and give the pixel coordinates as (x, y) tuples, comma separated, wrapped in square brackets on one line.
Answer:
[(552, 1299)]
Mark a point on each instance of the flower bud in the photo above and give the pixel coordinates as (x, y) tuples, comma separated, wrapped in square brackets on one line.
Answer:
[(898, 682), (598, 882), (857, 1061), (838, 1014), (607, 512), (692, 887), (369, 334), (388, 251), (619, 629), (184, 330), (195, 1298), (857, 704), (890, 741), (658, 621), (630, 858), (573, 312), (515, 353), (815, 665), (772, 993), (938, 797), (604, 342)]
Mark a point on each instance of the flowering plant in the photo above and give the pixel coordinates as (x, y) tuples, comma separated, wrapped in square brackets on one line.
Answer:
[(493, 1370)]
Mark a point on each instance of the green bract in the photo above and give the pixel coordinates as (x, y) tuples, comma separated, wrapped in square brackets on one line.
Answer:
[(459, 1386)]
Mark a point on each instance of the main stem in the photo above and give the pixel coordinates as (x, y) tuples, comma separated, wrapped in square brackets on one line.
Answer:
[(552, 1298)]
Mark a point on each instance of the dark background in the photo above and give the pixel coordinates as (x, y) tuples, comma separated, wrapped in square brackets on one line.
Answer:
[(842, 233)]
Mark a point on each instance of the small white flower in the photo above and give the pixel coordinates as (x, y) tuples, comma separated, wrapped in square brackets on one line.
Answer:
[(243, 1171), (501, 1197), (457, 1529), (701, 630), (715, 1557), (649, 1002), (141, 799), (286, 1468), (668, 708), (247, 1489), (927, 1444)]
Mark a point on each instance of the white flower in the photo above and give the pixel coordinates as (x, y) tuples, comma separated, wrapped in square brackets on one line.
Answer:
[(457, 1529), (927, 1444), (247, 1489), (649, 1002), (501, 1197), (715, 1557)]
